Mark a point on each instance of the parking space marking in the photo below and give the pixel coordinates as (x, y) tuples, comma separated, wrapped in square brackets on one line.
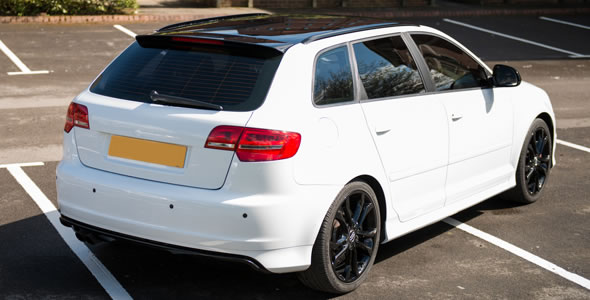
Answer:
[(564, 22), (125, 30), (571, 54), (100, 272), (24, 69), (575, 278), (29, 164), (572, 145)]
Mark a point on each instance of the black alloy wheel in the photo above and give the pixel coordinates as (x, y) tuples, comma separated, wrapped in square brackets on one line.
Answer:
[(534, 165), (538, 158), (346, 246), (353, 238)]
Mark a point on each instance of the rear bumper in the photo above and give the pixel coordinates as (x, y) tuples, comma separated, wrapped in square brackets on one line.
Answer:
[(86, 230), (274, 230)]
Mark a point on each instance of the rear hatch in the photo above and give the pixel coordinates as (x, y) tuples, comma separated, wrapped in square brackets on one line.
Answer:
[(150, 112)]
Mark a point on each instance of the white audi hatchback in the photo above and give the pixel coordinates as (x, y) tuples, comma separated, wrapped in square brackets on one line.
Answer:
[(296, 143)]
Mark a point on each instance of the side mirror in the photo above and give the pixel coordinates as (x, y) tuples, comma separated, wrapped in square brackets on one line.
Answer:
[(505, 76)]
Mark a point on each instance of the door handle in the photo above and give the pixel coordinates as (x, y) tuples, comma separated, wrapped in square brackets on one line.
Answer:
[(379, 130), (456, 117)]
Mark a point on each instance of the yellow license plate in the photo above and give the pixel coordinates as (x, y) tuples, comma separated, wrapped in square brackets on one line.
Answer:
[(148, 151)]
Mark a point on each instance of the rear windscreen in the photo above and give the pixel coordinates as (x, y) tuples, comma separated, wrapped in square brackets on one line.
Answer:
[(236, 82)]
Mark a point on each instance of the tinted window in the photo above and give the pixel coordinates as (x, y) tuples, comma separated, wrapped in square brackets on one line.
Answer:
[(386, 68), (333, 77), (450, 67), (238, 83)]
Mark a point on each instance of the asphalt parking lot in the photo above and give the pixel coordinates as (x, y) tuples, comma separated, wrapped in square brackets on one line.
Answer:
[(440, 261)]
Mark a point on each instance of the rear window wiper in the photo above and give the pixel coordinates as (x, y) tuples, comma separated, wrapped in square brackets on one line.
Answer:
[(157, 97)]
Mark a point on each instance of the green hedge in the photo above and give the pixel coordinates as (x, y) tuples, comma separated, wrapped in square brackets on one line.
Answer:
[(66, 7)]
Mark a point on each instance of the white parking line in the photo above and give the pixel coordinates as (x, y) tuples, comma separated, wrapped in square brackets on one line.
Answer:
[(100, 272), (125, 30), (24, 69), (572, 145), (521, 253), (29, 164), (564, 22), (572, 54)]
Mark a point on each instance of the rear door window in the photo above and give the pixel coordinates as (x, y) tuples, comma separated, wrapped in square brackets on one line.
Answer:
[(217, 76), (386, 68), (333, 77)]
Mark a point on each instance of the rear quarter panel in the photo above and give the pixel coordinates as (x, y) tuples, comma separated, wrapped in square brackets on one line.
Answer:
[(336, 145)]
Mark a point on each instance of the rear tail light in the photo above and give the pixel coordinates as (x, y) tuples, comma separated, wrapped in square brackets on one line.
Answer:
[(253, 144), (77, 116)]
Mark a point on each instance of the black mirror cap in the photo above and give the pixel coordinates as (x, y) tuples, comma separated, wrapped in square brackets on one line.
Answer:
[(506, 76)]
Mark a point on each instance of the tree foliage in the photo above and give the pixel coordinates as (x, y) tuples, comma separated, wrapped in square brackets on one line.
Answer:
[(66, 7)]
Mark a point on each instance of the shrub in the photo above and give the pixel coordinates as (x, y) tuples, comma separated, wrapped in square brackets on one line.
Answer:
[(65, 7)]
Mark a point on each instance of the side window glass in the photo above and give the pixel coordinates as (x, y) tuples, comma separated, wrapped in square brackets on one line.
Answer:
[(386, 68), (449, 66), (333, 77)]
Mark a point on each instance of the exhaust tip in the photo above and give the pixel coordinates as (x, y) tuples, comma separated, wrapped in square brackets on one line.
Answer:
[(64, 222), (80, 237)]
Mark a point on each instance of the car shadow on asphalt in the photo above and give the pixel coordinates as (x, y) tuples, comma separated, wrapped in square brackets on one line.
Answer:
[(155, 274), (497, 205)]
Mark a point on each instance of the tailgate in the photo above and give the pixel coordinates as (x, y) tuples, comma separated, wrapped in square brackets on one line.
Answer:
[(154, 142)]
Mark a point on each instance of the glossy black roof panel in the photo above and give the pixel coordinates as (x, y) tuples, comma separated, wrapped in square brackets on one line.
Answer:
[(279, 31)]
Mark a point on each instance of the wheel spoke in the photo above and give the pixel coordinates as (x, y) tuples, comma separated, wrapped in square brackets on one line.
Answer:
[(528, 175), (543, 144), (541, 171), (367, 209), (338, 243), (349, 260), (354, 265), (535, 143), (531, 150), (532, 184), (357, 210), (364, 263), (367, 234), (341, 255), (538, 184), (341, 218), (348, 210), (367, 248), (347, 270)]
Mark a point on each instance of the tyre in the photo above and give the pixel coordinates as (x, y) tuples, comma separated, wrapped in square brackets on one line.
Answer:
[(347, 243), (534, 164)]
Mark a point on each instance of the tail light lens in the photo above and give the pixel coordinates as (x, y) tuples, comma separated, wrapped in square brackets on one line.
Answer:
[(253, 144), (77, 116)]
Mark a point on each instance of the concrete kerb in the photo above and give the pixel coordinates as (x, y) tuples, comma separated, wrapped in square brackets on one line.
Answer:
[(394, 13)]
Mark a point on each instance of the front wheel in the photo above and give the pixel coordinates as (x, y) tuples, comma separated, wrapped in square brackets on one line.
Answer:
[(534, 165), (347, 243)]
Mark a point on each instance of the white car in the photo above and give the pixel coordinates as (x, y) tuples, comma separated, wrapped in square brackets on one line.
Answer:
[(296, 143)]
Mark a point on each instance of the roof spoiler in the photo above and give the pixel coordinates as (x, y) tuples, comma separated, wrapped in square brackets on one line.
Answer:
[(200, 21), (248, 49)]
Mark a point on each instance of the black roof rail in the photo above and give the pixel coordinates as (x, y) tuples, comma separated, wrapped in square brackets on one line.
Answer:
[(199, 21), (348, 30)]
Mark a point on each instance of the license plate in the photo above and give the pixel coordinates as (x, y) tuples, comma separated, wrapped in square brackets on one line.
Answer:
[(147, 151)]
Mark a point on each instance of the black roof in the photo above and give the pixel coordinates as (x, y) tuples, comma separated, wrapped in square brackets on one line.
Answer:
[(279, 31)]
